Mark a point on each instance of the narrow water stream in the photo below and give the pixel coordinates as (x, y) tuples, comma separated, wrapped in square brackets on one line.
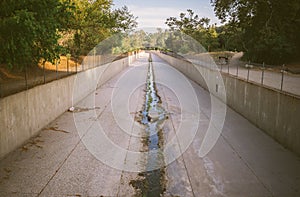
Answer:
[(153, 116)]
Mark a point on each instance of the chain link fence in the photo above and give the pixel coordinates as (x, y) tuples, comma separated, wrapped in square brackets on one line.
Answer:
[(13, 80)]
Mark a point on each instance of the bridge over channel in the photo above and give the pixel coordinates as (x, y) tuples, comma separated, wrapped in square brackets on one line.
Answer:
[(146, 129)]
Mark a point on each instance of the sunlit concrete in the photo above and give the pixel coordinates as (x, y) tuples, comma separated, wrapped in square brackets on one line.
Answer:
[(272, 111), (243, 162)]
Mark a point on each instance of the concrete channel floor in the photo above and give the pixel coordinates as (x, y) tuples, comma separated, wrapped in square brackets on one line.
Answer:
[(58, 162)]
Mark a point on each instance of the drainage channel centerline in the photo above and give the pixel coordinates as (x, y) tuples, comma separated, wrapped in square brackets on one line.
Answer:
[(152, 182)]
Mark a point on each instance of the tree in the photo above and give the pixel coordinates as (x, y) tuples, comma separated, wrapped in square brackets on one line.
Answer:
[(269, 29), (29, 30), (196, 27), (229, 37), (41, 30), (95, 21)]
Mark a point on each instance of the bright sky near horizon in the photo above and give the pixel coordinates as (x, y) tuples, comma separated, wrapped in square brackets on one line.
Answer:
[(153, 13)]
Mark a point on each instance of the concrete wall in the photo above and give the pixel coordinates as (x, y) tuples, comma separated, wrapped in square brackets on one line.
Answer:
[(274, 112), (24, 114)]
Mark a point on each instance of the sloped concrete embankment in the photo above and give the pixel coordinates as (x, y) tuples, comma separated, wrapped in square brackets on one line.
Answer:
[(274, 112), (24, 114)]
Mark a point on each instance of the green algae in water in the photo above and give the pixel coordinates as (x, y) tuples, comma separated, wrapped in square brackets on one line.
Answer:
[(152, 182)]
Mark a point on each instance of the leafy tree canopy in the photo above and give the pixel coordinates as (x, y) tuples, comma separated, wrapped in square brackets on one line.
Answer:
[(269, 29), (28, 30), (94, 21), (40, 30), (196, 27)]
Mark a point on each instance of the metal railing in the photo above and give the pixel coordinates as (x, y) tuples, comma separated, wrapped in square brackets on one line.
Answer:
[(279, 78), (264, 75)]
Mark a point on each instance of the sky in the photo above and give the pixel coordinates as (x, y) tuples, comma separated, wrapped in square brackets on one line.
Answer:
[(153, 13)]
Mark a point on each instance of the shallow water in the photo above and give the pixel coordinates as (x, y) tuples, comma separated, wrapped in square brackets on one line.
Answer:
[(153, 116)]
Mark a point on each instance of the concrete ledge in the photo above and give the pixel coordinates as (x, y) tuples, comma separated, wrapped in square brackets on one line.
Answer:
[(24, 114), (274, 112)]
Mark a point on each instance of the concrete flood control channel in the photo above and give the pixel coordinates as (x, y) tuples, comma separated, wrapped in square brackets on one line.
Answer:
[(56, 163), (152, 182)]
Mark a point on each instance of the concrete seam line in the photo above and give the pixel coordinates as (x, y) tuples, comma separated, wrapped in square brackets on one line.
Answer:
[(68, 156), (132, 127), (181, 153), (247, 165)]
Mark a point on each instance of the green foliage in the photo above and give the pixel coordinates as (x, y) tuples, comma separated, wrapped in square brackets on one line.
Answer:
[(35, 30), (196, 27), (93, 22), (166, 40), (229, 37), (130, 41), (29, 30), (268, 30)]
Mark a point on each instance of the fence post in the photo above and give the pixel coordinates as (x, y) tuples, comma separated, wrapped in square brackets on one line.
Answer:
[(68, 57), (227, 68), (26, 82), (68, 65), (82, 64), (94, 58), (237, 70), (248, 74), (56, 62), (262, 74), (44, 72), (76, 64), (248, 70), (282, 76)]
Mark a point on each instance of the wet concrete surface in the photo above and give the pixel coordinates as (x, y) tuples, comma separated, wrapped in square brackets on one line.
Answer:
[(57, 162), (152, 181)]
